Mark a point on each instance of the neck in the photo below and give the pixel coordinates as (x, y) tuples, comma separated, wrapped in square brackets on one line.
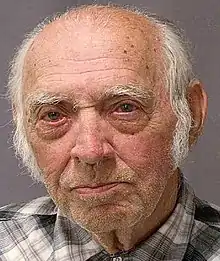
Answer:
[(127, 238)]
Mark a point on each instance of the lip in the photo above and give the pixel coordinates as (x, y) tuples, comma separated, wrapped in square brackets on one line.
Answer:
[(95, 189)]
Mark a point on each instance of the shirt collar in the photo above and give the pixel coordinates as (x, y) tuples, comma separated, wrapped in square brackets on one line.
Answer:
[(170, 241)]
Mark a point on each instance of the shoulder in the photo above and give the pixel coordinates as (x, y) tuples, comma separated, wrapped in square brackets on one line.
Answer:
[(205, 236), (39, 206), (207, 213), (207, 221), (22, 223), (23, 215)]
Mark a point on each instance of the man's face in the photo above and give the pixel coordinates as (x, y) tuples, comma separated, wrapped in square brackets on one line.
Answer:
[(105, 154)]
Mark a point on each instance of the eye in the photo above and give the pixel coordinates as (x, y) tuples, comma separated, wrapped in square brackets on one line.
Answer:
[(53, 116), (126, 108), (52, 123)]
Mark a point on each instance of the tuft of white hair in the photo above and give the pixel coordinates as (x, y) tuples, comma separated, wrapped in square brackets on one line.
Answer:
[(178, 79)]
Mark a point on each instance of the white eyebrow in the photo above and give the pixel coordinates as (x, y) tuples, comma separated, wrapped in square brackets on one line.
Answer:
[(37, 99), (131, 90), (43, 98)]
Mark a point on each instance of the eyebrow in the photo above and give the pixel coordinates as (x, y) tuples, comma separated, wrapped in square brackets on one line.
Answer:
[(131, 90), (38, 99)]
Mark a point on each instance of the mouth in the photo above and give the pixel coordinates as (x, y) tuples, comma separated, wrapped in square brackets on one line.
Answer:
[(96, 189)]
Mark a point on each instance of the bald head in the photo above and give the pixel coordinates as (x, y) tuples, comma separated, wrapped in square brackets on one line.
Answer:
[(96, 33)]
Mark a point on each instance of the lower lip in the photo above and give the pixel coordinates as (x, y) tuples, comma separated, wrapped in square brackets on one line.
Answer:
[(96, 190)]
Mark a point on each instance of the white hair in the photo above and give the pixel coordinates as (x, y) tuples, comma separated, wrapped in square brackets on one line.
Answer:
[(178, 78)]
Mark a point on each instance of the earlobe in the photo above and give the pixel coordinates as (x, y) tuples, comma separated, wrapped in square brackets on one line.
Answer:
[(198, 102)]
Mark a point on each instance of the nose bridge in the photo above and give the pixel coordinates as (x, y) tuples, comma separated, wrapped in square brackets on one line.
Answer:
[(89, 146), (89, 124)]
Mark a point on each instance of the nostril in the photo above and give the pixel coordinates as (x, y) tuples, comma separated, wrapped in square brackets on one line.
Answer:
[(77, 159), (87, 161)]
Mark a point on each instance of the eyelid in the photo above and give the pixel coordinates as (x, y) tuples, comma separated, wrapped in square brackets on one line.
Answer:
[(41, 111), (64, 107)]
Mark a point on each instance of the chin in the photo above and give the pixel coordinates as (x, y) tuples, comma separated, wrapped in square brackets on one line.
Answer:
[(108, 217), (113, 211)]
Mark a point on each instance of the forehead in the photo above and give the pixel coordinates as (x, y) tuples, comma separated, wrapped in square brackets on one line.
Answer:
[(69, 49), (98, 25)]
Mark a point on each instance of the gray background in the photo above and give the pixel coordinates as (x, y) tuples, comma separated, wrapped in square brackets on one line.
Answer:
[(201, 21)]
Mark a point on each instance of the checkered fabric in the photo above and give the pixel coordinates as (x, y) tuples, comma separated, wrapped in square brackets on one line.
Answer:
[(37, 231)]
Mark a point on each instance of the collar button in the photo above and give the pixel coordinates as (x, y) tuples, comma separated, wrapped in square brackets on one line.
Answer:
[(118, 258)]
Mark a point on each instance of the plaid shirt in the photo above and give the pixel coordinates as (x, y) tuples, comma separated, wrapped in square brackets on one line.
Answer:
[(37, 231)]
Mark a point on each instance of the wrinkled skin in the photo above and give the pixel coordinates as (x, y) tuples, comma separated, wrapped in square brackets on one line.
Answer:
[(119, 140)]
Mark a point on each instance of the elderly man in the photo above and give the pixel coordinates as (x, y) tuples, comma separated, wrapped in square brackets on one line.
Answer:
[(106, 107)]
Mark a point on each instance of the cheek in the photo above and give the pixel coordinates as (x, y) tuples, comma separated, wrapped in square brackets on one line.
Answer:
[(149, 157), (51, 157), (146, 153)]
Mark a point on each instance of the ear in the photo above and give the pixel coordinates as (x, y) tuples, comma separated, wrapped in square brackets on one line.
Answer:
[(197, 100)]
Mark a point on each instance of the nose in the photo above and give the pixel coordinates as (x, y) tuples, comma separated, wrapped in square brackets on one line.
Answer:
[(91, 145)]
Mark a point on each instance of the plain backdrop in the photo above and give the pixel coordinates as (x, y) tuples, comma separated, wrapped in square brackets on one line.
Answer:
[(200, 20)]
